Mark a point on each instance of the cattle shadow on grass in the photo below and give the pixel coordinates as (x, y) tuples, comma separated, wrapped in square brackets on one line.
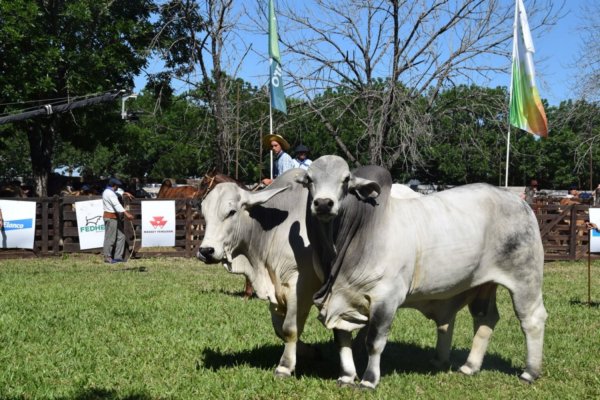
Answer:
[(106, 394), (397, 358)]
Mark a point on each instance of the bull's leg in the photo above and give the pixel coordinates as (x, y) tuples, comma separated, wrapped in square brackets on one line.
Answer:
[(287, 332), (381, 318), (248, 289), (443, 344), (529, 307), (485, 315), (343, 340)]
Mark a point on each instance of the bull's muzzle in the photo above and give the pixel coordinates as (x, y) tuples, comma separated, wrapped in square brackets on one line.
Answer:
[(205, 254), (323, 206)]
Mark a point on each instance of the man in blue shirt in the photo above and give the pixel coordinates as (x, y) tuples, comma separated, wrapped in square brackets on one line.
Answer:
[(278, 145)]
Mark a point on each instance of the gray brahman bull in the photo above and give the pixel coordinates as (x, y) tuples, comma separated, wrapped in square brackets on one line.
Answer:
[(265, 238), (389, 253)]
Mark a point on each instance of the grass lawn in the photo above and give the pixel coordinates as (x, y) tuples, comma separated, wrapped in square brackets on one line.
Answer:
[(76, 328)]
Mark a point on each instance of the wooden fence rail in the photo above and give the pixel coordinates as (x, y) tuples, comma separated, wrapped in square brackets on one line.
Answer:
[(56, 229), (563, 230)]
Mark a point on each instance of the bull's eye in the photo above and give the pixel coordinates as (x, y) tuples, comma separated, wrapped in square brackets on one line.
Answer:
[(231, 213), (347, 179)]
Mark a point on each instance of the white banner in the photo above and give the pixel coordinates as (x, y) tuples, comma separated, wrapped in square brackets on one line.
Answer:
[(90, 224), (594, 234), (158, 223), (19, 224)]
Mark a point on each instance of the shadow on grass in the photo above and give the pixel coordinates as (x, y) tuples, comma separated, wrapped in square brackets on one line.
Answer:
[(233, 293), (577, 302), (396, 358), (97, 394)]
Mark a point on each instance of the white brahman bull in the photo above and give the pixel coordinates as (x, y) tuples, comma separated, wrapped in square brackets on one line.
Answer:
[(389, 253), (264, 237)]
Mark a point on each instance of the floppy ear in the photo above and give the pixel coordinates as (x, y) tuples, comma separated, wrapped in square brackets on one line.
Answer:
[(364, 188), (251, 199), (301, 177)]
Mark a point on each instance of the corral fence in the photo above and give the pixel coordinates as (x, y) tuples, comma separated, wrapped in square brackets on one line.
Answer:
[(56, 229), (563, 229)]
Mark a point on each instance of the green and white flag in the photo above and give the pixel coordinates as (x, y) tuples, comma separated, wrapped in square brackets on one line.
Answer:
[(526, 109), (276, 81)]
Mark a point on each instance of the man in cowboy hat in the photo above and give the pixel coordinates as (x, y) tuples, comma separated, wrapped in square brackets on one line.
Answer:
[(301, 160), (114, 235), (278, 145)]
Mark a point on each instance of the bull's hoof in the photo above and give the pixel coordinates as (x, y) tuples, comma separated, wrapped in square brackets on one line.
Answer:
[(282, 372), (466, 370), (345, 381), (341, 384), (367, 385), (526, 377)]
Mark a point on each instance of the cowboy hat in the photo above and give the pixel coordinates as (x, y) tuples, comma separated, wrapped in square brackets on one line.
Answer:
[(114, 182), (301, 149), (279, 139)]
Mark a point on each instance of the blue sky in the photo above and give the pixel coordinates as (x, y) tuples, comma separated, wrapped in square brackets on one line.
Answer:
[(555, 57), (556, 54)]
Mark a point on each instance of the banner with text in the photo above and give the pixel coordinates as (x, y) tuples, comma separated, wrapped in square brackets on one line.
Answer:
[(158, 223), (19, 224), (90, 224), (595, 234)]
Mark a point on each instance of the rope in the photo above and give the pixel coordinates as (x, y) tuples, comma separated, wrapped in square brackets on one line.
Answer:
[(133, 244)]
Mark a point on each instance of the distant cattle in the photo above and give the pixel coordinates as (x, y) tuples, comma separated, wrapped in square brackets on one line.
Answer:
[(442, 250), (168, 191), (13, 190)]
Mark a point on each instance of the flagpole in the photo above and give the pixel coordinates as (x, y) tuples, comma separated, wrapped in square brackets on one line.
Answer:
[(270, 127), (507, 156), (511, 93)]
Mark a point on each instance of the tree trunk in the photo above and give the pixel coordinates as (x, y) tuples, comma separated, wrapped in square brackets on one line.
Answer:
[(41, 147)]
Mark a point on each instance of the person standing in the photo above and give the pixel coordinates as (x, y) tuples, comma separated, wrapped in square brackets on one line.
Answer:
[(283, 161), (531, 192), (114, 223), (302, 160)]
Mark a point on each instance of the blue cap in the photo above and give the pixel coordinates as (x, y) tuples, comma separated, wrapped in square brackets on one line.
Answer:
[(114, 182)]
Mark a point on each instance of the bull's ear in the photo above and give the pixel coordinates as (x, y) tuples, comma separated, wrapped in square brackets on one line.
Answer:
[(301, 177), (251, 199), (364, 188)]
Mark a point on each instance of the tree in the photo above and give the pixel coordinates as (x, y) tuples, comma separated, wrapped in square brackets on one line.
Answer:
[(587, 84), (470, 141), (192, 40), (417, 48), (56, 51)]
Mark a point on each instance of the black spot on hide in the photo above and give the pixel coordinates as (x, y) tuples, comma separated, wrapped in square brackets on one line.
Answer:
[(512, 243), (268, 218)]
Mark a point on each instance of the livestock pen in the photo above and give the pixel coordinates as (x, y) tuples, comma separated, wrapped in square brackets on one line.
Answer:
[(563, 229)]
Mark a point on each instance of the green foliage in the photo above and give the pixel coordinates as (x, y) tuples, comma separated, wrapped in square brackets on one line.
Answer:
[(13, 144), (73, 327), (54, 51), (65, 49)]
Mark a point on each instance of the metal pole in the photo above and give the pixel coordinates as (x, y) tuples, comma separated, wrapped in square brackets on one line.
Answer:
[(270, 130), (590, 267), (507, 156)]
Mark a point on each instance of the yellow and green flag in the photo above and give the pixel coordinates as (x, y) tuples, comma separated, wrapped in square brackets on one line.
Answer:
[(526, 109), (276, 81)]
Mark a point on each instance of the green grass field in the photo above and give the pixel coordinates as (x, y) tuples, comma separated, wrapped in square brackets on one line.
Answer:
[(76, 328)]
